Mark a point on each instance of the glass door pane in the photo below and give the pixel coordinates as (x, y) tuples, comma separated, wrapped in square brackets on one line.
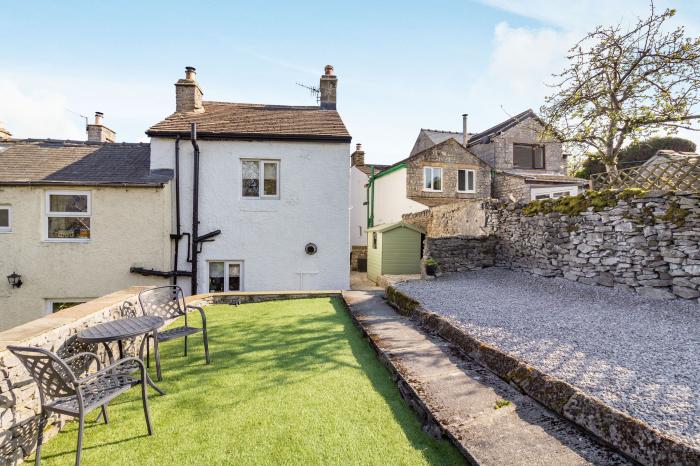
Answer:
[(216, 277), (234, 277)]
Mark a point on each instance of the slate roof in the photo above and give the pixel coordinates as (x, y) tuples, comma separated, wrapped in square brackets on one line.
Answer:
[(438, 136), (55, 162), (483, 137), (227, 120), (545, 177), (367, 169)]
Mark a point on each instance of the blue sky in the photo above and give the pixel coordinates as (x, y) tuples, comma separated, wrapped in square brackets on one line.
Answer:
[(401, 65)]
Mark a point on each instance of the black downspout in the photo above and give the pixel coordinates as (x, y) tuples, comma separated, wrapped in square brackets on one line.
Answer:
[(195, 206), (178, 233)]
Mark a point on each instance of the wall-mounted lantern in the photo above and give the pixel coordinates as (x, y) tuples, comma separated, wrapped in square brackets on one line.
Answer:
[(15, 280)]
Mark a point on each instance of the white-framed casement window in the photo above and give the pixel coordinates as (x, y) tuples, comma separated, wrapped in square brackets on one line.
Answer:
[(466, 182), (68, 215), (260, 179), (5, 219), (225, 276), (432, 179), (59, 304)]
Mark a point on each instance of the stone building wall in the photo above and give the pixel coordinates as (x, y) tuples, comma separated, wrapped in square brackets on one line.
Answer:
[(450, 156), (357, 252), (463, 218), (649, 243), (499, 152), (511, 188)]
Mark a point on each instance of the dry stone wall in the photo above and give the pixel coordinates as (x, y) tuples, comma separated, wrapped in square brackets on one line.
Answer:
[(463, 218), (649, 243)]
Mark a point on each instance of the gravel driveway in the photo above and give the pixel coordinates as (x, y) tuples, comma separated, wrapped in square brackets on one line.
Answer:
[(639, 355)]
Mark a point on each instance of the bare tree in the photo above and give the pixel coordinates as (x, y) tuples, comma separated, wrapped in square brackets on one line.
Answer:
[(625, 85)]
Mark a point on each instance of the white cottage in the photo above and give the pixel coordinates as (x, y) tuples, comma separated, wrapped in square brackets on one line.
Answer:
[(261, 191)]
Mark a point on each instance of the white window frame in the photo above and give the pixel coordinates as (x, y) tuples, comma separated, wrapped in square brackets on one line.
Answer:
[(8, 228), (549, 192), (432, 178), (466, 180), (226, 276), (48, 214), (261, 179)]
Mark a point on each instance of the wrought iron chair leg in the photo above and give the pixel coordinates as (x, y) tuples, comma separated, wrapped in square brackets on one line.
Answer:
[(148, 351), (144, 399), (185, 345), (79, 451), (40, 437), (206, 344), (156, 354), (104, 414)]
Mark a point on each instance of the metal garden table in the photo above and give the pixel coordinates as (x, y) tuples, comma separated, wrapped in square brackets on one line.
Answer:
[(123, 329)]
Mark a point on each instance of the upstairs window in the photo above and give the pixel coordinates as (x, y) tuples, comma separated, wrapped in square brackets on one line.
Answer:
[(465, 181), (225, 276), (432, 179), (260, 178), (528, 156), (5, 219), (68, 215)]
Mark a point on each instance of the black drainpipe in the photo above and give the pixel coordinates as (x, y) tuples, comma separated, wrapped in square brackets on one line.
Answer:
[(178, 232), (195, 206)]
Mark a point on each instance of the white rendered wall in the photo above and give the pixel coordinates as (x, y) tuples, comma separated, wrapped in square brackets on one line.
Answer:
[(268, 235), (390, 201), (358, 211), (129, 227)]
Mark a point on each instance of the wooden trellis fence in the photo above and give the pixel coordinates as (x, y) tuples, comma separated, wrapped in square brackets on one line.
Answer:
[(681, 175)]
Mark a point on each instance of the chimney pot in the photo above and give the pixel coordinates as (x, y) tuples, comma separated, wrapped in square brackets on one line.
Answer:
[(188, 94), (328, 87), (98, 132), (357, 157)]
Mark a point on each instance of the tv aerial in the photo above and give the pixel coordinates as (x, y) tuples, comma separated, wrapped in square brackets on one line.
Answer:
[(314, 91)]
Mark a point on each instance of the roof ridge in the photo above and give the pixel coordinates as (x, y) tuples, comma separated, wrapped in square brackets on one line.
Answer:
[(442, 131), (72, 141), (250, 104)]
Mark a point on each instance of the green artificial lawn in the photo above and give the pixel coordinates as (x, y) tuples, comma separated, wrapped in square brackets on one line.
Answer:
[(291, 382)]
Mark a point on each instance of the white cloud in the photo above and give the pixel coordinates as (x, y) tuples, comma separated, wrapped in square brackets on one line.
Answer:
[(37, 113)]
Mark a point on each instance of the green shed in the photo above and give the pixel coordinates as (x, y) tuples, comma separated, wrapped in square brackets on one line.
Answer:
[(393, 249)]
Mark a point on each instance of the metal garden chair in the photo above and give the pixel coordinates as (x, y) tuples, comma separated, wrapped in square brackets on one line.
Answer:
[(62, 391), (168, 302)]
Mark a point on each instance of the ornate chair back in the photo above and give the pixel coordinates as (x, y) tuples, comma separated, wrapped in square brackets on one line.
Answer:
[(53, 376), (167, 302)]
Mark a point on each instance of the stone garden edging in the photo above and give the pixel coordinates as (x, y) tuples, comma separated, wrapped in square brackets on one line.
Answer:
[(631, 436)]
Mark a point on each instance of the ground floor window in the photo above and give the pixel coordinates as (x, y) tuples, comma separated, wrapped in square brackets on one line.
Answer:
[(553, 193), (59, 304), (5, 219), (225, 276)]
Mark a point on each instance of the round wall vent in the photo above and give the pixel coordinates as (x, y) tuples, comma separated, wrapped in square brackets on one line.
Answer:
[(311, 249)]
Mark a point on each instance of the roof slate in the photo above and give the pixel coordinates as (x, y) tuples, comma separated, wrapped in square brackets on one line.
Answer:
[(545, 177), (483, 136), (256, 121), (46, 161)]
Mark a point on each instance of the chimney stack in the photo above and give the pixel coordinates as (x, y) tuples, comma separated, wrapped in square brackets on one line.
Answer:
[(329, 84), (465, 134), (97, 132), (357, 158), (4, 134), (188, 94)]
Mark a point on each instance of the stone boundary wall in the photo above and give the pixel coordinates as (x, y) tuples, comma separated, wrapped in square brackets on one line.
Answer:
[(461, 253), (19, 397), (650, 243), (356, 253), (631, 436)]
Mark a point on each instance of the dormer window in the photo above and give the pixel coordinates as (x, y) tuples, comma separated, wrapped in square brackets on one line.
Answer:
[(528, 156)]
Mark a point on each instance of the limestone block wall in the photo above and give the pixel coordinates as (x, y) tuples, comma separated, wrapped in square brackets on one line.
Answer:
[(461, 253), (649, 243)]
